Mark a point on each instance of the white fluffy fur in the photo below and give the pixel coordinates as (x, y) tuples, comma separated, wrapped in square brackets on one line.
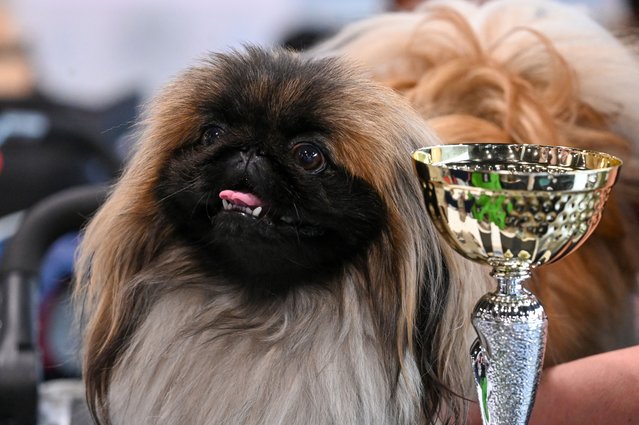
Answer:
[(331, 374), (316, 366)]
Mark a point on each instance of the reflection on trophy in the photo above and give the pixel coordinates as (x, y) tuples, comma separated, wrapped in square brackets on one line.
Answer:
[(513, 207)]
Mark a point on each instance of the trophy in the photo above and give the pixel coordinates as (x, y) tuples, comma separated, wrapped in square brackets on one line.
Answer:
[(514, 208)]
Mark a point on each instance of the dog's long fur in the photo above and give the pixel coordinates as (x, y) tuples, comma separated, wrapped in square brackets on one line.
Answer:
[(527, 71), (384, 337), (382, 342)]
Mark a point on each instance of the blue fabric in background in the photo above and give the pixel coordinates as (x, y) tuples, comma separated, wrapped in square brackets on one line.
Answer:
[(57, 264)]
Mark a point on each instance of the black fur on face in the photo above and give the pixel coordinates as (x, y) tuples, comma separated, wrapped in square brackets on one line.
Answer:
[(290, 212)]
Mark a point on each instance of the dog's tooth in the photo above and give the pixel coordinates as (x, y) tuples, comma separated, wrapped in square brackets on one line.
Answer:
[(257, 211), (225, 204)]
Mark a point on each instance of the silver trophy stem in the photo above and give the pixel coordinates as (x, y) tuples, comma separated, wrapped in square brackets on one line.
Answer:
[(508, 355)]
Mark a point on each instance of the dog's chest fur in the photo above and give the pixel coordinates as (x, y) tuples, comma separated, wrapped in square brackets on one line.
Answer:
[(194, 361)]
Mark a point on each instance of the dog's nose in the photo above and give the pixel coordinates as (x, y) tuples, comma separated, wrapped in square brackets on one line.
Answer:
[(251, 163), (253, 150), (250, 154)]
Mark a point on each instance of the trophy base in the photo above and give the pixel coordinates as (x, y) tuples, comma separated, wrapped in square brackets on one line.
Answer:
[(508, 355)]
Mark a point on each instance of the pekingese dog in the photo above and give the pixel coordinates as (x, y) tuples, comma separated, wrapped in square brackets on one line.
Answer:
[(266, 258)]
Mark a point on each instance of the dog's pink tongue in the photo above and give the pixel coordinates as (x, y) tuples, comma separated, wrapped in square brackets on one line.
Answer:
[(241, 198)]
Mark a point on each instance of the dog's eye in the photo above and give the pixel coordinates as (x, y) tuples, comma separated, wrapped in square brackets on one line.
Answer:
[(309, 157), (211, 134)]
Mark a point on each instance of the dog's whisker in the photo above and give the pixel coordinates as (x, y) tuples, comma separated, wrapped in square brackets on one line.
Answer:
[(207, 204), (192, 184), (197, 205)]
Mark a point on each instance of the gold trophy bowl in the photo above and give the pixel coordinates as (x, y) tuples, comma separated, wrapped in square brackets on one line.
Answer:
[(513, 207)]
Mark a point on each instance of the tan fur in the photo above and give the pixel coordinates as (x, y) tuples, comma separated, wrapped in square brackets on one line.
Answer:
[(166, 344), (527, 71)]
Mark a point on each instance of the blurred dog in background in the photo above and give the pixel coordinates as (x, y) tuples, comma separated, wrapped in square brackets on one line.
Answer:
[(528, 72)]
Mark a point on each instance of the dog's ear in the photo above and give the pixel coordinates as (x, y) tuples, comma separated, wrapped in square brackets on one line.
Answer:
[(433, 299), (432, 288), (115, 248), (122, 238)]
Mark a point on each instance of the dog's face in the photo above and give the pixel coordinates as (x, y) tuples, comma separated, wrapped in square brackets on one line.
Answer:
[(261, 186)]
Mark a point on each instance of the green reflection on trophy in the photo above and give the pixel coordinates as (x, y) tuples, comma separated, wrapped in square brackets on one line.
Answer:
[(513, 207)]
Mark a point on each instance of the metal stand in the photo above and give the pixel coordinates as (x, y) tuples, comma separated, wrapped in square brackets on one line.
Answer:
[(508, 355)]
